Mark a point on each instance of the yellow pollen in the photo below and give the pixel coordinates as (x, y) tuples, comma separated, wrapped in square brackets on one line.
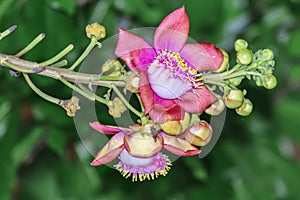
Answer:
[(144, 176)]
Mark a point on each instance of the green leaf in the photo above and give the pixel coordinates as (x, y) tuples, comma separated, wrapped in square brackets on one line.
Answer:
[(57, 141), (68, 6), (287, 116), (294, 43), (26, 145), (4, 7), (195, 165)]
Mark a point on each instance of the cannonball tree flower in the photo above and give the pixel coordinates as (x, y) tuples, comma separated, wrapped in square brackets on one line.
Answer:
[(139, 150), (170, 71)]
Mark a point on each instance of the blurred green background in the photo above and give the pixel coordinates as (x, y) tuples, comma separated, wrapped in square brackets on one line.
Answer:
[(257, 157)]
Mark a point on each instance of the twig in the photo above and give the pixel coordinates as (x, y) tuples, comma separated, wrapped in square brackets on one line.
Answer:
[(25, 66)]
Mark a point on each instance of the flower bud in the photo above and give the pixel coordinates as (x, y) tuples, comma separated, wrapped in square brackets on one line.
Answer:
[(270, 82), (245, 109), (132, 82), (240, 44), (244, 56), (142, 144), (176, 127), (71, 105), (216, 108), (95, 30), (234, 98), (111, 68), (116, 108), (200, 134), (225, 62), (268, 54)]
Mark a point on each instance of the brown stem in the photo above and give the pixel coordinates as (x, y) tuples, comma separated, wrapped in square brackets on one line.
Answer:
[(22, 65)]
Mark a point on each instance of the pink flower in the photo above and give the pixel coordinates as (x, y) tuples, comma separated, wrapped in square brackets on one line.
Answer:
[(170, 72), (139, 150)]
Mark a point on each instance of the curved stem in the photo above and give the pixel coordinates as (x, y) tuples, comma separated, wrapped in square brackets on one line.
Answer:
[(39, 92), (140, 101), (31, 45), (87, 95), (219, 83), (60, 63), (97, 98), (129, 106), (85, 53), (7, 32), (222, 76), (61, 54)]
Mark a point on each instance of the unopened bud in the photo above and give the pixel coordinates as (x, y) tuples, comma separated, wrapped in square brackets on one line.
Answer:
[(270, 82), (244, 56), (240, 44), (268, 54), (176, 127), (111, 68), (216, 108), (71, 105), (132, 82), (141, 144), (200, 134), (234, 98), (245, 109), (95, 30), (116, 108)]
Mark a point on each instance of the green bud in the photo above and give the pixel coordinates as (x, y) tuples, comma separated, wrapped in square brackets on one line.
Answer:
[(176, 127), (111, 68), (270, 82), (240, 44), (245, 109), (216, 108), (268, 54), (234, 98), (244, 56), (200, 134)]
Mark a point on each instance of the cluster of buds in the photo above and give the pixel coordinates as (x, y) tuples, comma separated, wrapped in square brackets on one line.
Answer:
[(258, 66), (235, 99), (197, 132), (261, 64)]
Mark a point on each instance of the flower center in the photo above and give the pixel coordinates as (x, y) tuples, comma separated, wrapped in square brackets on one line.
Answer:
[(171, 76), (143, 168)]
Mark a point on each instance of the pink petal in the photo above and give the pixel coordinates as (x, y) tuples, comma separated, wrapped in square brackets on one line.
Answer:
[(173, 31), (160, 114), (110, 151), (164, 102), (107, 129), (164, 109), (146, 92), (175, 113), (134, 51), (193, 103), (142, 58), (159, 109), (202, 56), (179, 146)]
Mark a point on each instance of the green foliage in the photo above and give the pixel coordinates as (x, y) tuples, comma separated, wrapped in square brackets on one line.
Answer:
[(257, 157)]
